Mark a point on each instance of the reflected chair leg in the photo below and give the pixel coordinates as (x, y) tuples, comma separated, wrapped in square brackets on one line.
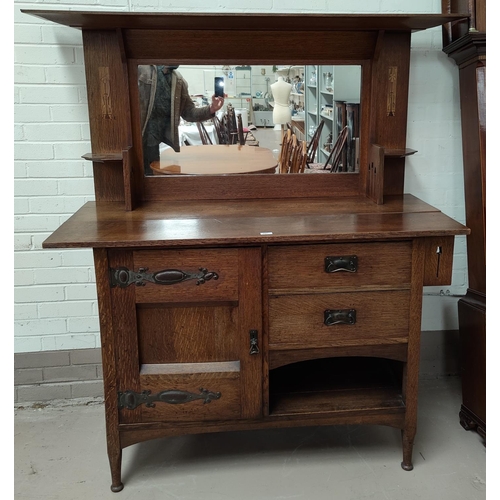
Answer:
[(408, 438)]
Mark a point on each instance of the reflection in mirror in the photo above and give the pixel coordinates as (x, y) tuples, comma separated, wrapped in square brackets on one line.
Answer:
[(235, 119)]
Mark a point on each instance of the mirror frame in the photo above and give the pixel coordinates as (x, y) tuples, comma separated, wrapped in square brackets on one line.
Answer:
[(188, 47), (115, 43)]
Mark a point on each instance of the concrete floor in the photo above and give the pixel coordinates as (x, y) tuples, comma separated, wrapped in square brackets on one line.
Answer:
[(60, 453)]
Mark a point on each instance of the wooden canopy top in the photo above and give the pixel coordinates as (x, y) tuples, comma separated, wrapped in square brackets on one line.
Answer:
[(247, 21)]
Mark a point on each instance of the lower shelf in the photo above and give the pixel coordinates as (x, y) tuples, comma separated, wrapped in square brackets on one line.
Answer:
[(336, 385)]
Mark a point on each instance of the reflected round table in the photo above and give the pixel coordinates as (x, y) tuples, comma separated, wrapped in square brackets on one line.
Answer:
[(217, 159)]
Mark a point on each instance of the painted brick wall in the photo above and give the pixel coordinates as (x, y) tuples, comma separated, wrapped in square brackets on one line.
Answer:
[(55, 297)]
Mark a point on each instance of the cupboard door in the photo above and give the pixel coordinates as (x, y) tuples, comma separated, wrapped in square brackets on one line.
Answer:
[(187, 349)]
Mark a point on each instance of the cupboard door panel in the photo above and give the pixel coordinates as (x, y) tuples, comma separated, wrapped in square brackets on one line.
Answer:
[(188, 334)]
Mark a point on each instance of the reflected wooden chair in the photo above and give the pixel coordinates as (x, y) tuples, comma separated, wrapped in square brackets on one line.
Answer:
[(284, 158), (298, 158), (205, 138), (333, 161), (312, 147), (231, 125), (242, 137), (220, 131)]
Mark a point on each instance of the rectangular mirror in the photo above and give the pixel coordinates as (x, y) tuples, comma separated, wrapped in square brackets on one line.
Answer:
[(319, 104)]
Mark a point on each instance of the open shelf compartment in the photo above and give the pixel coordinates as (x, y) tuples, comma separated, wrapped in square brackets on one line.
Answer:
[(334, 385)]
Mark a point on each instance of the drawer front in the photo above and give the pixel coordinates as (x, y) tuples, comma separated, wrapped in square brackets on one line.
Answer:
[(298, 321), (330, 266), (191, 392), (218, 283)]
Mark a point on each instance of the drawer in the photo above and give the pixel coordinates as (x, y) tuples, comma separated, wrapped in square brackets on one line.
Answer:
[(312, 267), (298, 321), (181, 270), (190, 391)]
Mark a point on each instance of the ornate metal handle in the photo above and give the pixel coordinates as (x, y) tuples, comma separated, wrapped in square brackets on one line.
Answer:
[(339, 317), (123, 277), (348, 263), (131, 400)]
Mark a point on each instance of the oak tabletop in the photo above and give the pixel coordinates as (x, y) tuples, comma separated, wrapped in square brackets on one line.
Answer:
[(250, 222)]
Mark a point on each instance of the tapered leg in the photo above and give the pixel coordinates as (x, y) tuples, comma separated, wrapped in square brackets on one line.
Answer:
[(115, 462), (408, 438)]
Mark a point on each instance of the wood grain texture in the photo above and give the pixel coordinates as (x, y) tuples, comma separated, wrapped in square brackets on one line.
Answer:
[(156, 226), (256, 186), (375, 176), (188, 334), (438, 258), (298, 266), (125, 334), (136, 433), (250, 318), (224, 262), (411, 368), (109, 113), (109, 368), (298, 319), (227, 406), (228, 21)]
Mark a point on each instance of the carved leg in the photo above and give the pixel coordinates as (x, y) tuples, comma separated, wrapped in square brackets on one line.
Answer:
[(115, 462), (407, 464)]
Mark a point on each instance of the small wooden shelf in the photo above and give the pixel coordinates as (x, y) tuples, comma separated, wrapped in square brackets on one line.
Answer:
[(336, 385), (103, 157), (399, 153)]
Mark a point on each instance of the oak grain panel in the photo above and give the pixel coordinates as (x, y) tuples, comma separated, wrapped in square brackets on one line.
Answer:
[(154, 227), (222, 261), (227, 406), (438, 266), (378, 264), (125, 334), (230, 45), (298, 319), (250, 318), (188, 334)]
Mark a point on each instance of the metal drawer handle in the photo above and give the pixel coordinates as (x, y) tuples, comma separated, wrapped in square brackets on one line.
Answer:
[(123, 277), (131, 400), (348, 263), (339, 317)]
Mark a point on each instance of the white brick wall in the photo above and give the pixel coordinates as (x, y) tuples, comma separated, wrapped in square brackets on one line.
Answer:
[(55, 297)]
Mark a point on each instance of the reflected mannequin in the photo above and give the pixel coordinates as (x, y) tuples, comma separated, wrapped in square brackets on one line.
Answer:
[(164, 99), (281, 92)]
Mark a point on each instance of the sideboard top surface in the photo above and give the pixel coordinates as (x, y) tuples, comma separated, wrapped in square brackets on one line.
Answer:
[(244, 222)]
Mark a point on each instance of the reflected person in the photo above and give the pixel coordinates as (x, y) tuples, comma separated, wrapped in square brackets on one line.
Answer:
[(163, 100)]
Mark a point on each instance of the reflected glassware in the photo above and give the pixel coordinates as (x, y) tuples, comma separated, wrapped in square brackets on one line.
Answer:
[(312, 80), (328, 80)]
